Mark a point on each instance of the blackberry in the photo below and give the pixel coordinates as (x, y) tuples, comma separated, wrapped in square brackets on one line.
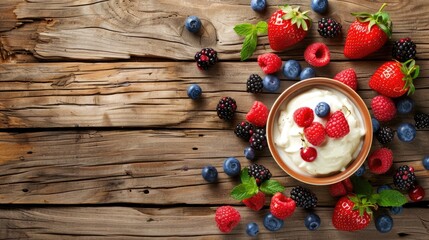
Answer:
[(244, 130), (258, 140), (259, 172), (404, 178), (303, 197), (205, 58), (404, 49), (226, 108), (422, 120), (254, 83), (329, 28), (385, 135)]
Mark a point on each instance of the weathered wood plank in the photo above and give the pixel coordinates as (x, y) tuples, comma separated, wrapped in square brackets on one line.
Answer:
[(144, 94), (173, 223), (151, 167), (100, 30)]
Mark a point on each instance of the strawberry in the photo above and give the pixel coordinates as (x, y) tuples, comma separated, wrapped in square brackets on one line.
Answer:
[(367, 34), (256, 202), (286, 27), (337, 125), (281, 206), (227, 218), (384, 108), (315, 133), (269, 62), (348, 77), (258, 114), (394, 79), (351, 214), (317, 55), (337, 190), (303, 116), (380, 161)]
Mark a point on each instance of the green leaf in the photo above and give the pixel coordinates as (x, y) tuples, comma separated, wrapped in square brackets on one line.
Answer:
[(304, 25), (244, 29), (362, 186), (271, 187), (244, 175), (249, 46), (240, 192), (262, 28), (391, 198)]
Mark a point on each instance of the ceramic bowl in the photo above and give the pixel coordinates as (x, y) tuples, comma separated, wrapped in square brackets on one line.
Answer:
[(288, 166)]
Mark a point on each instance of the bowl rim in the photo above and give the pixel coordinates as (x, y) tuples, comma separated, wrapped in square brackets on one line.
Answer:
[(295, 89)]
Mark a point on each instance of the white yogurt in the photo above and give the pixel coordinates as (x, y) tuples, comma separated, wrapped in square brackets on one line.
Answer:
[(333, 155)]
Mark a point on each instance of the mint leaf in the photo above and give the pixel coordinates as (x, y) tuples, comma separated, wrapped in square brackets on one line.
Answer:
[(249, 46), (271, 187), (244, 176), (391, 198), (361, 186), (244, 29), (239, 192), (262, 28)]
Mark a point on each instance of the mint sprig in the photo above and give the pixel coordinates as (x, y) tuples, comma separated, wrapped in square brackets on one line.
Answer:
[(271, 187), (250, 33)]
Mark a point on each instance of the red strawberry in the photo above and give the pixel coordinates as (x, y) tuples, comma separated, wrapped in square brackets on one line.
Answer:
[(317, 55), (227, 218), (348, 184), (315, 133), (256, 202), (350, 214), (287, 27), (281, 206), (269, 62), (258, 114), (337, 190), (337, 125), (303, 116), (348, 77), (367, 34), (394, 79), (384, 108), (380, 161)]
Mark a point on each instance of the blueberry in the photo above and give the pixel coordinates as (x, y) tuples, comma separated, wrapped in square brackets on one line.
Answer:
[(232, 167), (425, 162), (194, 91), (209, 173), (193, 24), (396, 210), (384, 223), (406, 132), (291, 69), (249, 153), (322, 109), (271, 83), (405, 105), (252, 229), (383, 187), (312, 221), (272, 223), (319, 6), (360, 171), (258, 5), (375, 125), (307, 72)]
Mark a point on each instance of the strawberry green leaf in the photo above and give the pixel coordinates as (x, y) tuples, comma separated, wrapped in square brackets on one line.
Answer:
[(262, 28), (271, 187), (244, 29), (304, 25), (249, 46), (362, 186), (391, 198)]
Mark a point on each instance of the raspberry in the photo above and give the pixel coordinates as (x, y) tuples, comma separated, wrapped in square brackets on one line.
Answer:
[(256, 202), (303, 116), (337, 125), (244, 130), (337, 190), (281, 206), (303, 197), (348, 77), (227, 218), (315, 133), (380, 161), (258, 114), (384, 108), (226, 108), (269, 62), (317, 55), (348, 184)]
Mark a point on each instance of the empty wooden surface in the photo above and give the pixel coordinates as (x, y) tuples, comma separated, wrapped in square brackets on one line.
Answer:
[(98, 139)]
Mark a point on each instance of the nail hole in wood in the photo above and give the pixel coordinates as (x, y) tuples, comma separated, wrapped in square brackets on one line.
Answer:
[(25, 190), (200, 135), (146, 191), (194, 148), (30, 152), (403, 234)]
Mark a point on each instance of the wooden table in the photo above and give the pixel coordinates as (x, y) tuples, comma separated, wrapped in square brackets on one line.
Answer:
[(99, 140)]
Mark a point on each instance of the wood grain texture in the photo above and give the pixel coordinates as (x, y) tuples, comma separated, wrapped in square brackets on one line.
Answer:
[(121, 29), (177, 222), (151, 94)]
